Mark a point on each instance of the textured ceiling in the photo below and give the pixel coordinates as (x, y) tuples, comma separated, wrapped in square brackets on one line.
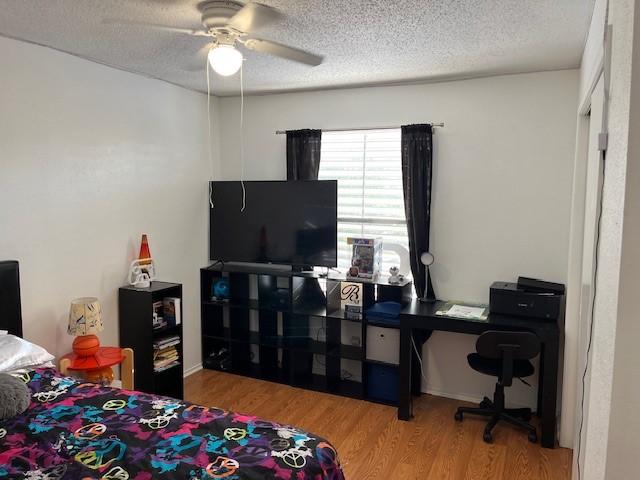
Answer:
[(364, 41)]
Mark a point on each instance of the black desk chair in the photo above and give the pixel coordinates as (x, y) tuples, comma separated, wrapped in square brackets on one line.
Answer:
[(504, 355)]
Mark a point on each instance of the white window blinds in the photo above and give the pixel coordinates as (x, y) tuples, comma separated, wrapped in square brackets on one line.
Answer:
[(368, 168)]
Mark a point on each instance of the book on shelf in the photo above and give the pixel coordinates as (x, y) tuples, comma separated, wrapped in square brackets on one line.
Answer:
[(166, 367), (166, 342), (165, 357), (166, 348), (166, 353), (163, 344), (159, 325), (158, 314), (165, 362), (172, 311)]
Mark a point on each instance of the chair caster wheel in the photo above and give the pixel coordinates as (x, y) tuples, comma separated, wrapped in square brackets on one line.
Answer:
[(533, 437), (486, 403), (458, 416), (527, 417), (487, 437)]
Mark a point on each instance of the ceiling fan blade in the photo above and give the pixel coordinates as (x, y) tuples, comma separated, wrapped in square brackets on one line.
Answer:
[(201, 60), (253, 16), (283, 51), (187, 31)]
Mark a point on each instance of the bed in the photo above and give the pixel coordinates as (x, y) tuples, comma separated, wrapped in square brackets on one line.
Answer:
[(79, 430)]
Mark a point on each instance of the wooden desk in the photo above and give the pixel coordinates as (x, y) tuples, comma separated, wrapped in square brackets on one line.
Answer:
[(421, 317)]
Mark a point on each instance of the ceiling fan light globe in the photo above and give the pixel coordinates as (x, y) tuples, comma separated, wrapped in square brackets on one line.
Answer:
[(225, 60)]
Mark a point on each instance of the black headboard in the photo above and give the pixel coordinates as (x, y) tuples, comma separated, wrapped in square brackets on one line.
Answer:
[(10, 308)]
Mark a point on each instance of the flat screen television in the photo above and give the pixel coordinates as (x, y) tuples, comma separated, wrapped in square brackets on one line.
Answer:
[(288, 223)]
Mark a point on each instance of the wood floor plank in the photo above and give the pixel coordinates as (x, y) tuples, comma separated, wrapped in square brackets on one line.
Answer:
[(454, 453), (374, 445), (486, 461)]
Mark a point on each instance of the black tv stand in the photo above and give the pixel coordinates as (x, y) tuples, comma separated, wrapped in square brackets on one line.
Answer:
[(270, 328)]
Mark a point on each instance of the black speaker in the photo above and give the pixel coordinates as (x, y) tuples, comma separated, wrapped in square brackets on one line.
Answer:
[(10, 309)]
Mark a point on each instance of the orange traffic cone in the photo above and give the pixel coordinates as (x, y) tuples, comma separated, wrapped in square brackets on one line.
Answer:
[(145, 253)]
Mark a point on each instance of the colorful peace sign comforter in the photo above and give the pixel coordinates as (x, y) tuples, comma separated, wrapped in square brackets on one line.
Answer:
[(84, 431)]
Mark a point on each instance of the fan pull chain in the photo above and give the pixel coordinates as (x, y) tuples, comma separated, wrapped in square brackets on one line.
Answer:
[(206, 66), (244, 192)]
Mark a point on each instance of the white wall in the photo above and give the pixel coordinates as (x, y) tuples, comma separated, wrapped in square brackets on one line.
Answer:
[(502, 182), (609, 430), (624, 424), (92, 157), (592, 57), (576, 328)]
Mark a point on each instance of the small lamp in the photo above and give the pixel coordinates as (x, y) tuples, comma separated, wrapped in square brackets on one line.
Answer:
[(427, 260), (85, 320)]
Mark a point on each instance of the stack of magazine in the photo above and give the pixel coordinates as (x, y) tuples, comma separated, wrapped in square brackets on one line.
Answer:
[(165, 353)]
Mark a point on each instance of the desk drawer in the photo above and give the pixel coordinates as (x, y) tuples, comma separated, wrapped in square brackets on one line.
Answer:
[(383, 344)]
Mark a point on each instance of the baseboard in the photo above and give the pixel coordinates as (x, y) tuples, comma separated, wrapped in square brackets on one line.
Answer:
[(430, 391), (192, 370), (454, 396), (470, 398)]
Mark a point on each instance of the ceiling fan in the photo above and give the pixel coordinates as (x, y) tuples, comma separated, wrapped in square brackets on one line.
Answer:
[(229, 23)]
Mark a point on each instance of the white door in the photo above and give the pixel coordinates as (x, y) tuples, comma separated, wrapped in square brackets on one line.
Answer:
[(592, 206), (592, 212)]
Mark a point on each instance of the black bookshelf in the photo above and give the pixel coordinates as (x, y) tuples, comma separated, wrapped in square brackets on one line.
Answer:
[(265, 328), (135, 307)]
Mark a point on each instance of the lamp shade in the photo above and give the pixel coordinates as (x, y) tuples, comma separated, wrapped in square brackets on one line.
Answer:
[(85, 316)]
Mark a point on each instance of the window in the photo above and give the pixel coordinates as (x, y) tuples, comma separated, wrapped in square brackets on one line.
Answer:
[(367, 165)]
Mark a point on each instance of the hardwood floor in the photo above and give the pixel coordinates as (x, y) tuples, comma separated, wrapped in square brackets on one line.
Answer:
[(373, 444)]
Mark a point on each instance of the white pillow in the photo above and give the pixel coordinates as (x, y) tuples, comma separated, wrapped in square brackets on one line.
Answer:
[(18, 355)]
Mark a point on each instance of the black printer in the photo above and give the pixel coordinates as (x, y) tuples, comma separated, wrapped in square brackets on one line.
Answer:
[(528, 298)]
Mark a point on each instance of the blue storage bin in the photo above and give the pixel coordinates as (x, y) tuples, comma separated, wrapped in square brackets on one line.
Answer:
[(385, 313), (382, 382)]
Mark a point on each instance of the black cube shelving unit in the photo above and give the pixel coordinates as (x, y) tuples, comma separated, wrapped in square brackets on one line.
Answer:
[(135, 306), (265, 328)]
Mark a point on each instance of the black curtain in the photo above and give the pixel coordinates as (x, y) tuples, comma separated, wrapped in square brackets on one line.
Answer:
[(303, 163), (303, 154), (417, 168)]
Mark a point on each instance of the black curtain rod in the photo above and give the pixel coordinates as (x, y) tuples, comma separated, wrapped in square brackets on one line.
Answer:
[(283, 132)]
